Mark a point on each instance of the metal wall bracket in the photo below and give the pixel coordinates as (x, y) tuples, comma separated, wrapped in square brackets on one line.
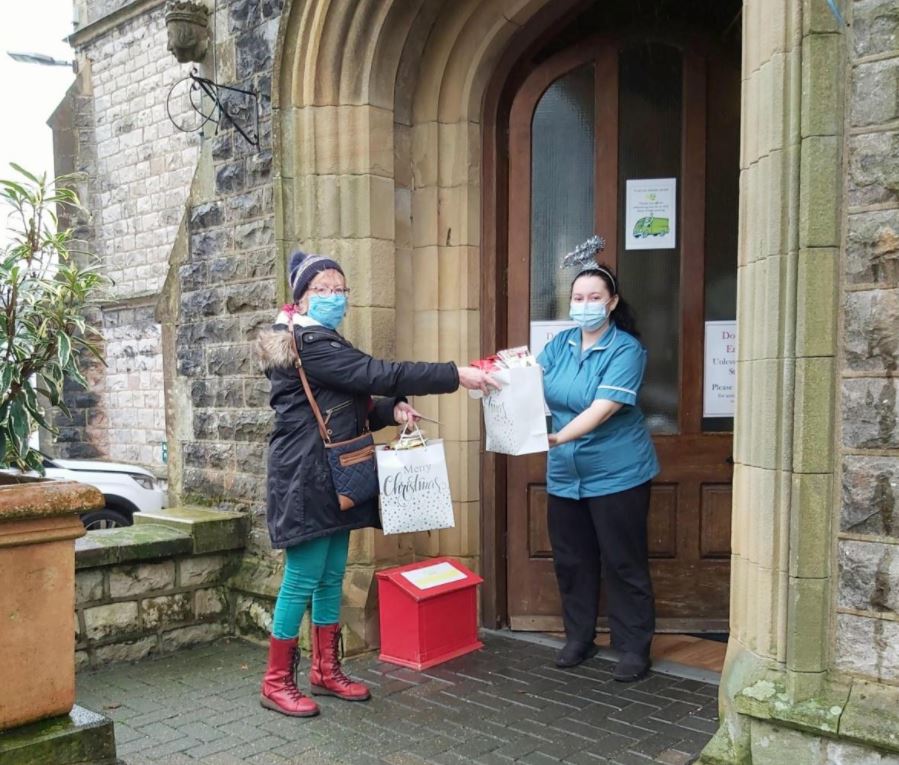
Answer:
[(221, 107)]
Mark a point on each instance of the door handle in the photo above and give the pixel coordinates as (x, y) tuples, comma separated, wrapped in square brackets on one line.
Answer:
[(729, 459)]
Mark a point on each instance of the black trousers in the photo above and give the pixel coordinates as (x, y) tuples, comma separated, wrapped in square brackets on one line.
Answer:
[(604, 536)]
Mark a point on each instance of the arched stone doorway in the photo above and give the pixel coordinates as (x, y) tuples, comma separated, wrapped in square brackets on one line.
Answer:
[(388, 157), (387, 115)]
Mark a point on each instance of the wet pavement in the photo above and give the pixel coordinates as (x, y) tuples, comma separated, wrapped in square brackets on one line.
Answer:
[(505, 703)]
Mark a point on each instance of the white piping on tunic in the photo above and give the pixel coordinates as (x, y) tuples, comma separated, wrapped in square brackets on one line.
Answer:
[(615, 387)]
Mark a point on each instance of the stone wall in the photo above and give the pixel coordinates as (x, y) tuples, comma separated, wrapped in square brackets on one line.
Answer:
[(133, 383), (223, 287), (139, 167), (82, 434), (157, 586), (867, 622)]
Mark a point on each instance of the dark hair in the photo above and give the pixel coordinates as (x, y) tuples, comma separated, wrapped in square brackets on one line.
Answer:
[(622, 314)]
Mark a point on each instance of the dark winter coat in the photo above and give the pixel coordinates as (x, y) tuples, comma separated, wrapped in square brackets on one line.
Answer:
[(302, 503)]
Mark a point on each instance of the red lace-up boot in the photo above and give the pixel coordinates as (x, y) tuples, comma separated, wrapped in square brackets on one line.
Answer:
[(326, 676), (279, 687)]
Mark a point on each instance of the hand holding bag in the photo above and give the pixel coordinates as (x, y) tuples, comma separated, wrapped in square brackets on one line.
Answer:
[(415, 492), (351, 462)]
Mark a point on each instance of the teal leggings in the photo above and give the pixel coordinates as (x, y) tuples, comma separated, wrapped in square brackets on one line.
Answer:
[(313, 571)]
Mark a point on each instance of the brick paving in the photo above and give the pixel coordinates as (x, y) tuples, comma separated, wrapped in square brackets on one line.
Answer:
[(506, 703)]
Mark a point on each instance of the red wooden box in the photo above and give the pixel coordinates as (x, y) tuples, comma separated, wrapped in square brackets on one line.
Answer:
[(428, 612)]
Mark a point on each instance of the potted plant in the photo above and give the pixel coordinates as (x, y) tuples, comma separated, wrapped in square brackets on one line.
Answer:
[(44, 292)]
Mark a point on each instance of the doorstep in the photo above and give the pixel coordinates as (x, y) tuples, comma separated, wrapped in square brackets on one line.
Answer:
[(686, 656)]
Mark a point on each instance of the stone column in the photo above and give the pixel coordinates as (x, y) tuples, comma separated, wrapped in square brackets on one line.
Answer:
[(445, 274), (335, 195), (790, 203)]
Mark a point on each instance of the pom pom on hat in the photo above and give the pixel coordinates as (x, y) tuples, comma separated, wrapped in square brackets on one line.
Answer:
[(304, 267)]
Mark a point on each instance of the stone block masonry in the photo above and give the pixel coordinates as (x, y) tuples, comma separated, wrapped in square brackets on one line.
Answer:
[(228, 287), (134, 402), (139, 168), (144, 163), (146, 589), (867, 620)]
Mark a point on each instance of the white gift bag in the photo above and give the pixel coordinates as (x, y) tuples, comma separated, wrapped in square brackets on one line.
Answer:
[(514, 415), (414, 488)]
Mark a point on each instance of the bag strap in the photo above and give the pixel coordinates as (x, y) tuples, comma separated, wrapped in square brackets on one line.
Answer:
[(413, 431), (322, 428)]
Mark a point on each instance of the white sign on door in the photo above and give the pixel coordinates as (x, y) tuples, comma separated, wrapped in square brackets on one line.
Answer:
[(719, 383), (541, 333), (651, 214), (544, 331)]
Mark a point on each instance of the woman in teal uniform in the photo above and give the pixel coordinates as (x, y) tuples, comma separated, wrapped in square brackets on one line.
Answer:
[(599, 470)]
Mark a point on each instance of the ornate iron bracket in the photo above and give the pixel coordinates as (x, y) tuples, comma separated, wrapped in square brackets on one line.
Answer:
[(222, 107)]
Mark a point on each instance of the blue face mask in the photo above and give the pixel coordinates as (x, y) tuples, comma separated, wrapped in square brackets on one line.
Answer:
[(589, 316), (327, 310)]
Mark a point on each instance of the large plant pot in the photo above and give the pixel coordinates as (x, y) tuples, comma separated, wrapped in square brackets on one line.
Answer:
[(38, 527)]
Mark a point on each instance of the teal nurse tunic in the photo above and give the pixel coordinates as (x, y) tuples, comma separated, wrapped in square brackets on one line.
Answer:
[(618, 455)]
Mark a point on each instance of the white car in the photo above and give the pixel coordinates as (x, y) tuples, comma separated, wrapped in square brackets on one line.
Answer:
[(126, 488)]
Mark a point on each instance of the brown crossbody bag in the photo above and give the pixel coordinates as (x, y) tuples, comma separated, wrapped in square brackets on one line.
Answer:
[(352, 462)]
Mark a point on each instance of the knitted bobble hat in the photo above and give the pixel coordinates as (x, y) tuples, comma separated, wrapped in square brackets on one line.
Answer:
[(304, 267)]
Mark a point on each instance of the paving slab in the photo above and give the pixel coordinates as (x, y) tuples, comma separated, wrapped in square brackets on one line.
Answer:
[(505, 703)]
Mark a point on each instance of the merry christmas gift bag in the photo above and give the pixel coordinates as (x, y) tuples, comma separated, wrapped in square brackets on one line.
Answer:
[(514, 415), (414, 488)]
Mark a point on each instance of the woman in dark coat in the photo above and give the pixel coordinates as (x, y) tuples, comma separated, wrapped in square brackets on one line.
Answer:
[(304, 517)]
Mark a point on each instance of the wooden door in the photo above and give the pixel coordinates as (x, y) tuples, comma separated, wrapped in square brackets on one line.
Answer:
[(583, 123)]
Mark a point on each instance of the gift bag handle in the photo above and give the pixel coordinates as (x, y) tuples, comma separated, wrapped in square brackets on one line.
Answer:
[(413, 432)]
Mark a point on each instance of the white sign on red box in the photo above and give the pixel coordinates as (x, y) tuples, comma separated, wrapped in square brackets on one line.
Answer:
[(433, 576)]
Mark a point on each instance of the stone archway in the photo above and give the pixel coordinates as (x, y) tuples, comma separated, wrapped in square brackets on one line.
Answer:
[(379, 128)]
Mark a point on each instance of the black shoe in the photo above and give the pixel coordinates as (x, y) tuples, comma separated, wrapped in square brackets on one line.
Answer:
[(631, 667), (574, 652)]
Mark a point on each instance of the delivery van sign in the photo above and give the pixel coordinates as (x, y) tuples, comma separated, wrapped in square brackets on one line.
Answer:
[(651, 214)]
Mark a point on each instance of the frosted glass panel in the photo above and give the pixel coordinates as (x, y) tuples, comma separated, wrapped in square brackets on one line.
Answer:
[(561, 188), (649, 146)]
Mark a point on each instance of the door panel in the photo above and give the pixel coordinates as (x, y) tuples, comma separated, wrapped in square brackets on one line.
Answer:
[(662, 520), (538, 531), (585, 121), (715, 520)]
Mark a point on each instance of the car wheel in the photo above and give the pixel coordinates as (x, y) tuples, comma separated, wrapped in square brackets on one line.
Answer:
[(107, 518)]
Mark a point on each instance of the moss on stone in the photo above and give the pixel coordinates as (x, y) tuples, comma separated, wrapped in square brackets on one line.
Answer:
[(130, 543), (768, 700), (209, 530), (80, 737), (722, 751)]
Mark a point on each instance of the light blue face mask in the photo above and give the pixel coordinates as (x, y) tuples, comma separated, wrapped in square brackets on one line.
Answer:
[(589, 316), (327, 310)]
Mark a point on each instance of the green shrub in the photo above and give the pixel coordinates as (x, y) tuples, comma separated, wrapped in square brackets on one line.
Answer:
[(45, 288)]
